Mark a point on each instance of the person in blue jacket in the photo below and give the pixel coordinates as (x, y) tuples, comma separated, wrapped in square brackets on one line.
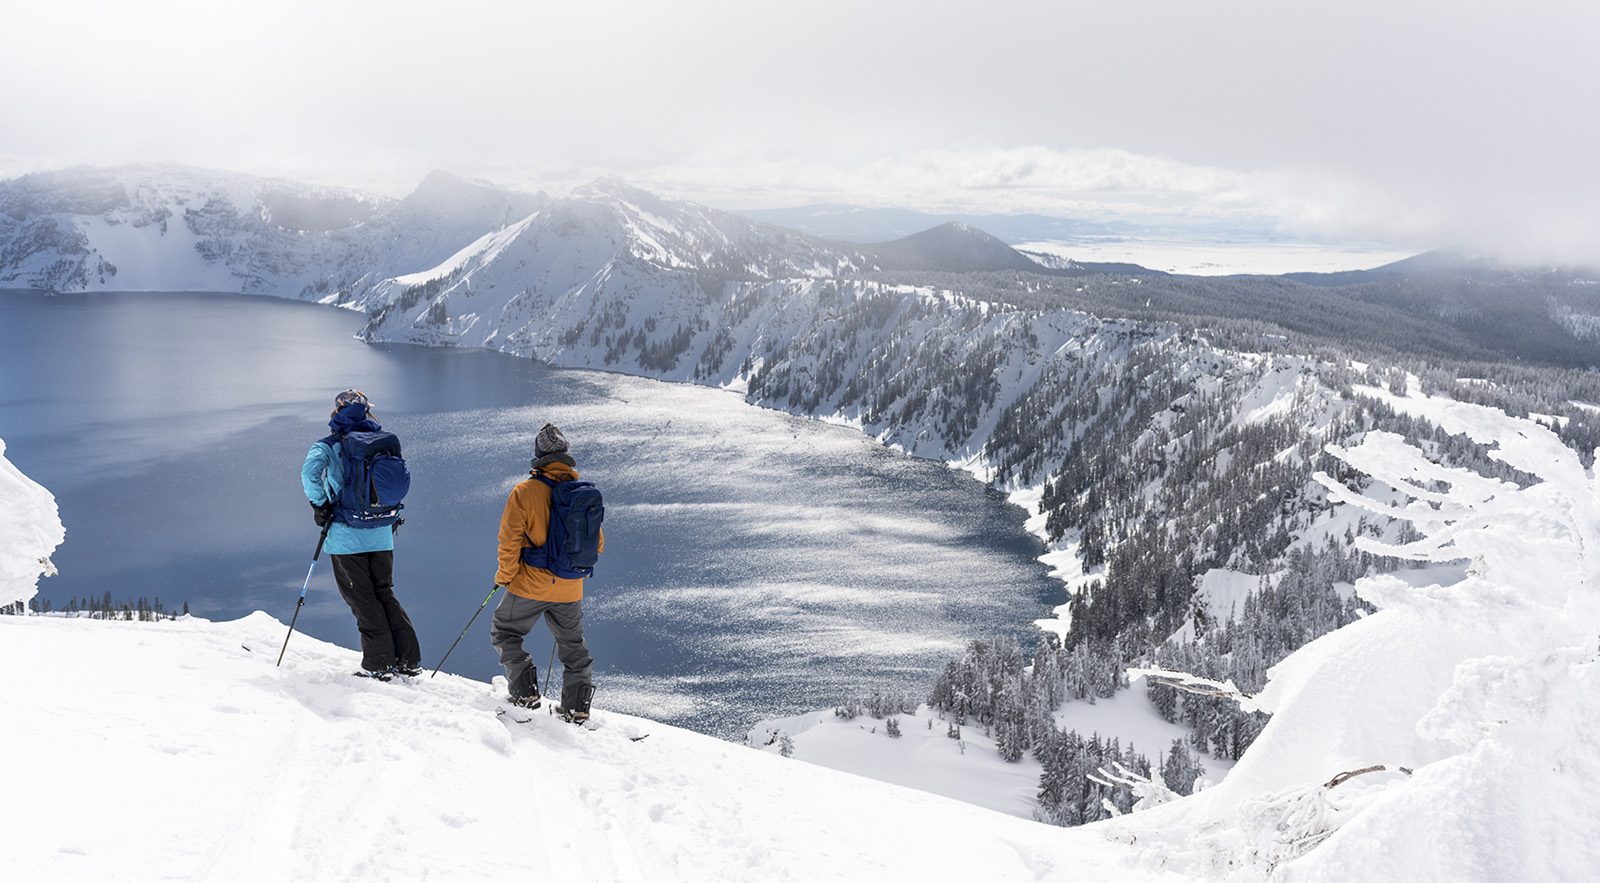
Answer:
[(363, 557)]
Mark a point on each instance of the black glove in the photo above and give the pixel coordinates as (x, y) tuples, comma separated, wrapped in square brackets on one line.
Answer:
[(321, 514)]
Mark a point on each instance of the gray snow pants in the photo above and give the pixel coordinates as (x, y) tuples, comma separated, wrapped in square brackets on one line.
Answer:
[(515, 616)]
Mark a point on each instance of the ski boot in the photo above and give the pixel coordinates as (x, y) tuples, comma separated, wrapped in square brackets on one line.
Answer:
[(525, 689), (574, 708)]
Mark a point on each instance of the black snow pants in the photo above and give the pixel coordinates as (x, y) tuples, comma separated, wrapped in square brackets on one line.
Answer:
[(366, 580)]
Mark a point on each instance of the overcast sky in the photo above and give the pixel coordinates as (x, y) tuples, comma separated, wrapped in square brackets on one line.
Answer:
[(1412, 123)]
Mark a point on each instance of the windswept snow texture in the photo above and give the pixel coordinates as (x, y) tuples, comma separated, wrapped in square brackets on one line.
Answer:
[(201, 760), (1480, 698), (30, 529)]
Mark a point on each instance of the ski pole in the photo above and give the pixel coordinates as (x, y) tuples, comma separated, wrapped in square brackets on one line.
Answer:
[(468, 626), (548, 667), (302, 602)]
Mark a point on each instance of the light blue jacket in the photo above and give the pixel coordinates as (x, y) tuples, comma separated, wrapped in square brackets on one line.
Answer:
[(322, 477)]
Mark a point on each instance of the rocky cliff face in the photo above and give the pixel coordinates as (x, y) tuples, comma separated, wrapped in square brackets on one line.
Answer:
[(170, 228)]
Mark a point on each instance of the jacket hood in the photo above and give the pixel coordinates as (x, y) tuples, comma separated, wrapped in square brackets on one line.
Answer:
[(544, 464), (559, 470), (353, 418)]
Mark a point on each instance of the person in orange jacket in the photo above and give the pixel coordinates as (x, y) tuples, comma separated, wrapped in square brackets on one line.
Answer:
[(533, 593)]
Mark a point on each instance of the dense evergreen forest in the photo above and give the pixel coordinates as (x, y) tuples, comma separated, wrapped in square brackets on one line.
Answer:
[(1145, 428), (105, 607), (1493, 317)]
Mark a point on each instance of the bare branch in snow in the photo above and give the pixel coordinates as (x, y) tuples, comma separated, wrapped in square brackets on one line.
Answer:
[(1189, 683), (1351, 774)]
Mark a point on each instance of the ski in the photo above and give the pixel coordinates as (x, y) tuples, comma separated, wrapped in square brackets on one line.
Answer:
[(521, 715), (515, 713)]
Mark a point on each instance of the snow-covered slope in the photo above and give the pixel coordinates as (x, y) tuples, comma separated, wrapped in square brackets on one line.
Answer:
[(932, 752), (1447, 737), (608, 277), (1450, 735), (30, 530), (177, 750), (182, 750), (443, 216)]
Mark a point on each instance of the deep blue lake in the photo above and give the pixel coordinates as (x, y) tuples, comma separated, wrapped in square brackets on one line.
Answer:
[(757, 564)]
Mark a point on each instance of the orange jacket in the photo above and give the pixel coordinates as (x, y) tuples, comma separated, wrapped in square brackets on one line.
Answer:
[(526, 522)]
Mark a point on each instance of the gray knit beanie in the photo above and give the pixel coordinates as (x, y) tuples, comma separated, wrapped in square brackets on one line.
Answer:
[(549, 441)]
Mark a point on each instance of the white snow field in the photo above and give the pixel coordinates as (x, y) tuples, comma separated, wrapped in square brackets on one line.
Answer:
[(177, 750), (926, 756)]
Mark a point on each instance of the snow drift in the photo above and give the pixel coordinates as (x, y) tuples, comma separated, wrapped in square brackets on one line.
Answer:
[(30, 530), (1468, 711)]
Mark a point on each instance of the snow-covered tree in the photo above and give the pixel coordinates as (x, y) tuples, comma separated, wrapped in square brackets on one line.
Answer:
[(1473, 700)]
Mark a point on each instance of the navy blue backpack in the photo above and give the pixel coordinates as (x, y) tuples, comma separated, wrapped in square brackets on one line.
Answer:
[(375, 478), (573, 545)]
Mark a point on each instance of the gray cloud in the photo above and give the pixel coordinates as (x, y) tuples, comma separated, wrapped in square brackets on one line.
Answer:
[(1424, 122)]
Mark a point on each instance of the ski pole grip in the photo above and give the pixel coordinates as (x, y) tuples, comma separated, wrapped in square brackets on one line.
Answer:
[(320, 540)]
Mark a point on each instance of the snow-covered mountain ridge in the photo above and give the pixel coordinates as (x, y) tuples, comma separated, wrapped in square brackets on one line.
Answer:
[(175, 228), (169, 228), (610, 277)]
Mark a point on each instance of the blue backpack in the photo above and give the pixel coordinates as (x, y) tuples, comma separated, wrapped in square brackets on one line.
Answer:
[(375, 478), (573, 545)]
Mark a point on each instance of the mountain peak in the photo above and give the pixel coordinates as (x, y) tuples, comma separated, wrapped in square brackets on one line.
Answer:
[(951, 246), (475, 202), (616, 190), (440, 184)]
